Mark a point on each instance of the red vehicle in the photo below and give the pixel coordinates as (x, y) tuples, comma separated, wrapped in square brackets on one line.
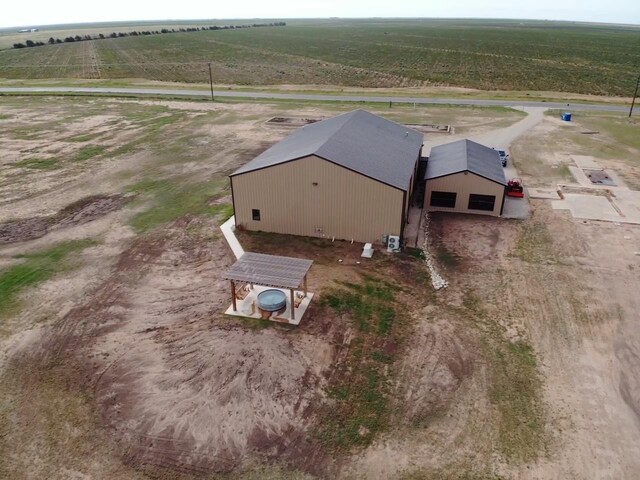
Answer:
[(515, 188)]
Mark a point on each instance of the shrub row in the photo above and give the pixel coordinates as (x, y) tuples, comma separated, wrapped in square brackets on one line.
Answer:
[(101, 36)]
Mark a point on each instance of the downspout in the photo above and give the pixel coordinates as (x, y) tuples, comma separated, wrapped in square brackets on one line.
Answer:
[(402, 216)]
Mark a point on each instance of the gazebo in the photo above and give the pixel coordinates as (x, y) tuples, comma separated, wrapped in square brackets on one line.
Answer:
[(253, 273)]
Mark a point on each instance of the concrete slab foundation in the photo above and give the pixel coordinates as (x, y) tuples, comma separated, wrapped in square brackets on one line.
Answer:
[(591, 207), (623, 208), (580, 176), (543, 193), (247, 307), (585, 161), (628, 202), (517, 208)]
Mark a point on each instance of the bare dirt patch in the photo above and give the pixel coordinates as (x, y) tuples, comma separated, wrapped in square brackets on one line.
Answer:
[(627, 350), (173, 405), (295, 122), (577, 316), (82, 211), (179, 386), (523, 367), (436, 364)]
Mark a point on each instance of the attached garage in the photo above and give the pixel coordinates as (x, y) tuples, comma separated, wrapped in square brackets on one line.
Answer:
[(464, 177), (349, 177)]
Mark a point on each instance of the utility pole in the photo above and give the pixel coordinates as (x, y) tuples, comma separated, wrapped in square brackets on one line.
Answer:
[(635, 94), (211, 82)]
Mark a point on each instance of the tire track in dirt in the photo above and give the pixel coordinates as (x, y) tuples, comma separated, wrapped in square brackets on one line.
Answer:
[(82, 211), (436, 365), (627, 350), (198, 396), (103, 309), (177, 386)]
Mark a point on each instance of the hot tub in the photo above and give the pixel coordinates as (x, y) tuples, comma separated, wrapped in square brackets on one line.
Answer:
[(272, 300)]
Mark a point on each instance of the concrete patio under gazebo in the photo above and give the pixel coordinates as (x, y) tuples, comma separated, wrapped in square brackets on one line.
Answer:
[(253, 273)]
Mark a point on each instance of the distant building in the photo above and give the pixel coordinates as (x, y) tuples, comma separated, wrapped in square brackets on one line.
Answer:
[(28, 30)]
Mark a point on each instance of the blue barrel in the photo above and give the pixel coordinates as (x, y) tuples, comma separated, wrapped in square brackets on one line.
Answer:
[(566, 116)]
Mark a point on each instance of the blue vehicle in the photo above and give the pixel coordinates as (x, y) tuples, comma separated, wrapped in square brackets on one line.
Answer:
[(503, 157)]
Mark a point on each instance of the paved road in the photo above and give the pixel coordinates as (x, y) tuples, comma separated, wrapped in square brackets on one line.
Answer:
[(317, 97)]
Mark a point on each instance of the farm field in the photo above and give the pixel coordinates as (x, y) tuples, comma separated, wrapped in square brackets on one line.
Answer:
[(9, 36), (117, 362), (487, 55)]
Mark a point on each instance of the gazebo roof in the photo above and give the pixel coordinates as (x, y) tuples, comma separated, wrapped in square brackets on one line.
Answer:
[(269, 270)]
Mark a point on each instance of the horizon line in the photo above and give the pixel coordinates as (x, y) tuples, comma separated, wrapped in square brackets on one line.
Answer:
[(167, 21)]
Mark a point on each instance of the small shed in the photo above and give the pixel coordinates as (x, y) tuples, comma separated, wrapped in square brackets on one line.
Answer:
[(464, 177), (252, 272)]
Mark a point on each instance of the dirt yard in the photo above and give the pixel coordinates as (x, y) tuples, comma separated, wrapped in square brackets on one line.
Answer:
[(117, 362)]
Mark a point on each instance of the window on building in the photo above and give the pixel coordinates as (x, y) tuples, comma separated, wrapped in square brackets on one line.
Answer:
[(255, 214), (443, 199), (482, 202)]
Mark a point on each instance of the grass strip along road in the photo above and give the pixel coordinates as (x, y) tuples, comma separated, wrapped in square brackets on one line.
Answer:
[(104, 91)]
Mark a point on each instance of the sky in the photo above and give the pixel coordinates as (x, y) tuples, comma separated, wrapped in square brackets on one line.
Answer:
[(47, 12)]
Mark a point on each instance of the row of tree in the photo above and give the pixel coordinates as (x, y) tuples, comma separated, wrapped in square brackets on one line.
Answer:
[(78, 38)]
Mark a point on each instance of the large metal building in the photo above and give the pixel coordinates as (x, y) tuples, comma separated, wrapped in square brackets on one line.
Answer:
[(464, 177), (349, 177)]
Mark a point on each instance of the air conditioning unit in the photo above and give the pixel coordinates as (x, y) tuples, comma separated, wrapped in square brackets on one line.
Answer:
[(393, 243)]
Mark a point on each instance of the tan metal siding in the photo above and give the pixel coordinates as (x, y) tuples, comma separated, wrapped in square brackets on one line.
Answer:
[(464, 184), (344, 204)]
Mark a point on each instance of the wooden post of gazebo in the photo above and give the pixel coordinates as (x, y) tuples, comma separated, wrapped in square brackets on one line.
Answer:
[(233, 296), (293, 306), (304, 286)]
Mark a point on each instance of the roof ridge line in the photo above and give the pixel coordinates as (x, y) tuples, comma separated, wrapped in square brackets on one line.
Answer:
[(336, 132)]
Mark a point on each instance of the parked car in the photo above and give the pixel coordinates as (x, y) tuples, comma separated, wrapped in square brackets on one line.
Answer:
[(503, 156)]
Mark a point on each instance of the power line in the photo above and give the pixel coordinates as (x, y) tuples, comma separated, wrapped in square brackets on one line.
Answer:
[(635, 94), (211, 82)]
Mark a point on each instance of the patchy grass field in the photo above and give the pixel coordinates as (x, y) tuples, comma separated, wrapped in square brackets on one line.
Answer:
[(118, 362), (360, 409), (611, 139), (483, 54), (35, 268)]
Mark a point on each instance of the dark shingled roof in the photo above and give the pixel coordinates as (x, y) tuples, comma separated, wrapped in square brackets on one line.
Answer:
[(462, 156), (360, 141), (270, 270)]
